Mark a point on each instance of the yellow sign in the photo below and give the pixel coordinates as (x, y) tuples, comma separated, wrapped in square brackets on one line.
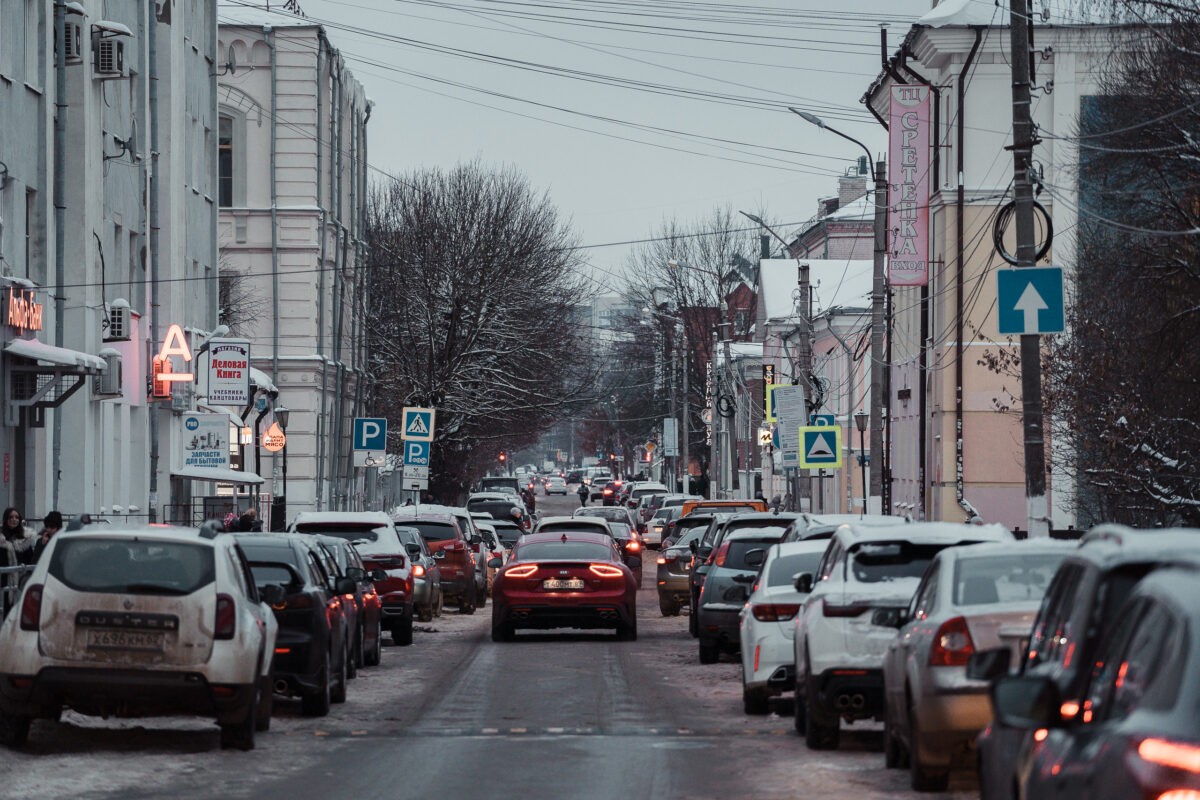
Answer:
[(820, 447), (274, 439), (770, 401)]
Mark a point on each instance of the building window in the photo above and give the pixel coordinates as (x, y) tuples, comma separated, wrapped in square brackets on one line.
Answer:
[(225, 162)]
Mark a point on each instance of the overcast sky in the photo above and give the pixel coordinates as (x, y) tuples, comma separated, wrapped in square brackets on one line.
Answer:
[(615, 107)]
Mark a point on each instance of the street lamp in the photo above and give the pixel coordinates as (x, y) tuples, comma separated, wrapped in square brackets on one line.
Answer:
[(879, 393), (860, 422), (281, 417)]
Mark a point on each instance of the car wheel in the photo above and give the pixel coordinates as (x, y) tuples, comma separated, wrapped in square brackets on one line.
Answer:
[(14, 729), (355, 658), (425, 612), (402, 634), (754, 701), (924, 777), (709, 652), (820, 733), (799, 710), (373, 656), (503, 632), (316, 704), (480, 597), (693, 623), (893, 752), (466, 605), (437, 610), (627, 632), (266, 704), (337, 692), (240, 735), (668, 606)]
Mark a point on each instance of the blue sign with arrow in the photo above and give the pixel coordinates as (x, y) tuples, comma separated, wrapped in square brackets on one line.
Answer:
[(1029, 300)]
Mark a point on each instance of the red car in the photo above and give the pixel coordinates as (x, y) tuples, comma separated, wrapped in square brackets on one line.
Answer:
[(565, 579)]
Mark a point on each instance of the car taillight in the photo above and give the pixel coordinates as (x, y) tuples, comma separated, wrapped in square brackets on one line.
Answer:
[(634, 546), (952, 644), (606, 571), (295, 602), (852, 610), (418, 571), (718, 557), (1180, 794), (521, 571), (667, 559), (226, 623), (608, 491), (1166, 753), (774, 612), (456, 547), (31, 608)]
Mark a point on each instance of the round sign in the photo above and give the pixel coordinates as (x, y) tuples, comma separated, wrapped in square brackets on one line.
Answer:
[(650, 447), (273, 439)]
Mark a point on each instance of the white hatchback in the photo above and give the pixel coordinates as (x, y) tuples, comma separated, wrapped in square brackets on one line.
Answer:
[(140, 622)]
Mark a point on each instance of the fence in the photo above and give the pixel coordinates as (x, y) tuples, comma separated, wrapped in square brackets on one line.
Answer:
[(8, 594)]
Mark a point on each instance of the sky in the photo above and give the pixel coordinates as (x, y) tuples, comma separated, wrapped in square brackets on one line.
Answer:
[(626, 113)]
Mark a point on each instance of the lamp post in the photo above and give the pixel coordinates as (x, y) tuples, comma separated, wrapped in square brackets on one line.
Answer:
[(879, 393), (860, 421), (281, 417)]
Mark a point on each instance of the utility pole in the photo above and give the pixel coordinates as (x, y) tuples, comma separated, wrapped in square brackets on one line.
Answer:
[(713, 417), (1036, 506), (804, 369), (683, 428), (880, 399)]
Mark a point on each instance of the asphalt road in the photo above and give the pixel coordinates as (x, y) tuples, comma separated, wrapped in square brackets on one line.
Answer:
[(575, 715)]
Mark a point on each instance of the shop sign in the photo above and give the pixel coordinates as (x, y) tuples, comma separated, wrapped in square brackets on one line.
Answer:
[(229, 371), (274, 439), (908, 193), (23, 312), (205, 440), (175, 344)]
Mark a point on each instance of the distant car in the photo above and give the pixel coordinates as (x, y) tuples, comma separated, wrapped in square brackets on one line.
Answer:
[(500, 483), (657, 524), (724, 506), (732, 572), (565, 578), (426, 574), (138, 622), (975, 597), (639, 489), (555, 485), (674, 565), (491, 549), (448, 543), (766, 627)]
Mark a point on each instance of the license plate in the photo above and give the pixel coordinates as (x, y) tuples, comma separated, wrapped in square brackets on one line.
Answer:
[(562, 583), (150, 641)]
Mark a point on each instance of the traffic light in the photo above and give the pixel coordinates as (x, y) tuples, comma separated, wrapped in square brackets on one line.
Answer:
[(503, 456)]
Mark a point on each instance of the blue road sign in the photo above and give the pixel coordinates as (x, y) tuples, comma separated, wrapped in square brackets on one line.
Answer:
[(370, 433), (416, 454), (820, 447), (418, 424), (1029, 300), (822, 419)]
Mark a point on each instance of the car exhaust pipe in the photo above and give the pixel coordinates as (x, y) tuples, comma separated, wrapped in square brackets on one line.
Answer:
[(857, 702), (843, 701), (281, 686)]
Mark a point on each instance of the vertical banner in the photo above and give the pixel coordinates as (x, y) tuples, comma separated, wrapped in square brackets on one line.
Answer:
[(908, 186), (768, 379)]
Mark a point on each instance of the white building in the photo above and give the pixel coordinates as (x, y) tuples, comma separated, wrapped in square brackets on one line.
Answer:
[(293, 159)]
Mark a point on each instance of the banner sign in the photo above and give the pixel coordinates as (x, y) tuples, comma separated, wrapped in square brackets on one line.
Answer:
[(768, 374), (792, 413), (908, 186), (205, 440), (229, 372)]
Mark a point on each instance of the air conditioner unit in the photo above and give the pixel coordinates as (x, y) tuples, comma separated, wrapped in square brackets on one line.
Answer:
[(108, 58), (109, 384), (119, 324), (73, 38), (183, 397)]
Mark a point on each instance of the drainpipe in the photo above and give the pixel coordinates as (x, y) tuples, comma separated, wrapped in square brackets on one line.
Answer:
[(60, 209), (322, 431), (214, 296), (849, 413), (959, 280), (274, 210), (152, 408), (338, 253)]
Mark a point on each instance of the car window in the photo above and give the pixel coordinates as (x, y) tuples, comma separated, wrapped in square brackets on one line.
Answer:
[(735, 557), (1133, 669), (130, 566), (886, 561), (568, 551), (315, 570), (244, 571), (351, 532), (434, 531), (925, 600), (782, 569), (1053, 620), (689, 536), (266, 574), (239, 576), (833, 554), (1003, 578)]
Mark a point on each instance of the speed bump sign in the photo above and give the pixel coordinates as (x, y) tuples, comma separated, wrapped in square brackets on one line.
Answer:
[(820, 447)]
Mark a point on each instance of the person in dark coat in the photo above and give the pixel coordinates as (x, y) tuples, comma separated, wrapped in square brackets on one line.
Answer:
[(249, 520), (582, 491), (51, 524)]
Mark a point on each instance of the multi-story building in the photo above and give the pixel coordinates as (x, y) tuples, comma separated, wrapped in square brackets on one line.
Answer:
[(292, 138)]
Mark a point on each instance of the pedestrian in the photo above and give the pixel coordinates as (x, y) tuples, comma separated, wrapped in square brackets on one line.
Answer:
[(16, 545), (249, 521), (230, 520), (51, 524), (582, 491)]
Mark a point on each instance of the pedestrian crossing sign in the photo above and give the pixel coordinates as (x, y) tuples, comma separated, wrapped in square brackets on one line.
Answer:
[(418, 424), (820, 447)]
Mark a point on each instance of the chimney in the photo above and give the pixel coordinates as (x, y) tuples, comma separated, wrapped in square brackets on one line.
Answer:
[(851, 186)]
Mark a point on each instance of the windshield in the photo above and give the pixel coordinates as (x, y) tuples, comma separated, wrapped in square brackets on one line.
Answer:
[(1004, 578), (888, 561), (433, 531), (783, 568), (563, 551), (128, 566)]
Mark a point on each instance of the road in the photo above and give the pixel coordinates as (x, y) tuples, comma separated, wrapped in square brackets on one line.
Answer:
[(457, 716)]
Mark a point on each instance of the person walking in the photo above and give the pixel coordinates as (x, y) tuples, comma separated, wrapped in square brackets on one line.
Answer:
[(16, 545), (582, 491), (51, 524)]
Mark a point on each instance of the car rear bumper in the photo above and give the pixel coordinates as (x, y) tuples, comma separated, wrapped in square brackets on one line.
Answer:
[(776, 664), (720, 624), (123, 693), (597, 615), (950, 723), (851, 692)]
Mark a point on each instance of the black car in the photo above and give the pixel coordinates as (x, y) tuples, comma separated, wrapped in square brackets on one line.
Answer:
[(312, 650), (732, 573)]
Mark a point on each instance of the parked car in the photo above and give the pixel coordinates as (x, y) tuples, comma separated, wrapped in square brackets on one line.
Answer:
[(555, 484), (448, 544), (1132, 732), (426, 573), (612, 514), (1091, 585), (839, 645), (808, 526), (368, 632), (500, 506), (725, 506), (766, 627), (374, 535), (566, 578), (657, 524), (312, 653), (139, 622), (976, 597), (636, 490), (499, 483), (609, 492), (491, 549), (508, 533), (674, 567), (732, 571)]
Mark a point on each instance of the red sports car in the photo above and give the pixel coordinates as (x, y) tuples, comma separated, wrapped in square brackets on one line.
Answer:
[(565, 579)]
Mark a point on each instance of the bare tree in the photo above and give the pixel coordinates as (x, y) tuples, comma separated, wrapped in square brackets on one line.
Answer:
[(239, 301)]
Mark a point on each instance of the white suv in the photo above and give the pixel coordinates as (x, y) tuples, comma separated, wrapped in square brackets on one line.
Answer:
[(839, 644), (140, 622)]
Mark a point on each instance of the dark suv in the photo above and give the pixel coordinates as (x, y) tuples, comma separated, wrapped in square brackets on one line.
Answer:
[(731, 574), (449, 546)]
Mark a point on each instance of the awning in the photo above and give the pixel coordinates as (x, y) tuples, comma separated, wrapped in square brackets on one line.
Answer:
[(234, 417), (262, 381), (32, 348), (221, 474)]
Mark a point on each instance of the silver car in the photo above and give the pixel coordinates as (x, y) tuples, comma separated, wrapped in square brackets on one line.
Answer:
[(973, 597), (427, 577)]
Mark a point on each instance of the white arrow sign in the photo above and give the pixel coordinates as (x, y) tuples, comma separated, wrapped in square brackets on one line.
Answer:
[(1031, 304)]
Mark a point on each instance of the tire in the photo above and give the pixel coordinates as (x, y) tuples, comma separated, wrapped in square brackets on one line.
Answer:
[(372, 657), (819, 733), (627, 632), (337, 692), (355, 658), (668, 606), (266, 705), (755, 701), (799, 711), (465, 605), (503, 632), (923, 777), (481, 595), (425, 613), (709, 652), (437, 609), (14, 729), (893, 750), (693, 623), (316, 704), (240, 735), (402, 633)]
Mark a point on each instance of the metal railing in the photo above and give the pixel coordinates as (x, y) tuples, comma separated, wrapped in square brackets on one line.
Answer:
[(8, 594)]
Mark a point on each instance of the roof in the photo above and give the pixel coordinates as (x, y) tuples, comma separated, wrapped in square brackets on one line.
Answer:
[(322, 517), (835, 282), (769, 531), (1119, 544), (948, 533), (961, 12), (741, 350), (250, 15), (139, 531), (1018, 548), (861, 209), (806, 546)]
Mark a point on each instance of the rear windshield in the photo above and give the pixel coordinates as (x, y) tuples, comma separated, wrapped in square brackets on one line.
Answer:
[(729, 509), (766, 526), (888, 561), (498, 484), (736, 557), (127, 566), (783, 568), (689, 536), (612, 514), (563, 551), (644, 492), (433, 531), (508, 534), (361, 532), (1004, 578), (281, 553), (498, 509), (267, 574)]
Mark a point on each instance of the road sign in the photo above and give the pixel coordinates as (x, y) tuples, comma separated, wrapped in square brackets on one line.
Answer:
[(418, 424), (416, 454), (416, 484), (416, 473), (769, 414), (650, 446), (369, 458), (370, 433), (822, 420), (1029, 300), (820, 447)]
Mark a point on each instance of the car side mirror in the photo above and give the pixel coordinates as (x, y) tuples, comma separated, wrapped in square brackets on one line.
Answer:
[(345, 586), (889, 617), (704, 552), (378, 574), (272, 594), (413, 550), (756, 557), (804, 582), (1027, 701), (987, 665), (356, 573), (495, 563)]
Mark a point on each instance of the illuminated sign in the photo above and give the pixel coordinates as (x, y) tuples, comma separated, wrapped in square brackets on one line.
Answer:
[(274, 439), (229, 371), (24, 313), (175, 344), (908, 194)]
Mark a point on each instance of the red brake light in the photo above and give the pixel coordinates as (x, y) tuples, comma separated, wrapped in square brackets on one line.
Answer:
[(1170, 754), (31, 608), (226, 618), (774, 612), (952, 644), (667, 559), (633, 546), (521, 571), (853, 610), (418, 570), (719, 556), (606, 571)]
